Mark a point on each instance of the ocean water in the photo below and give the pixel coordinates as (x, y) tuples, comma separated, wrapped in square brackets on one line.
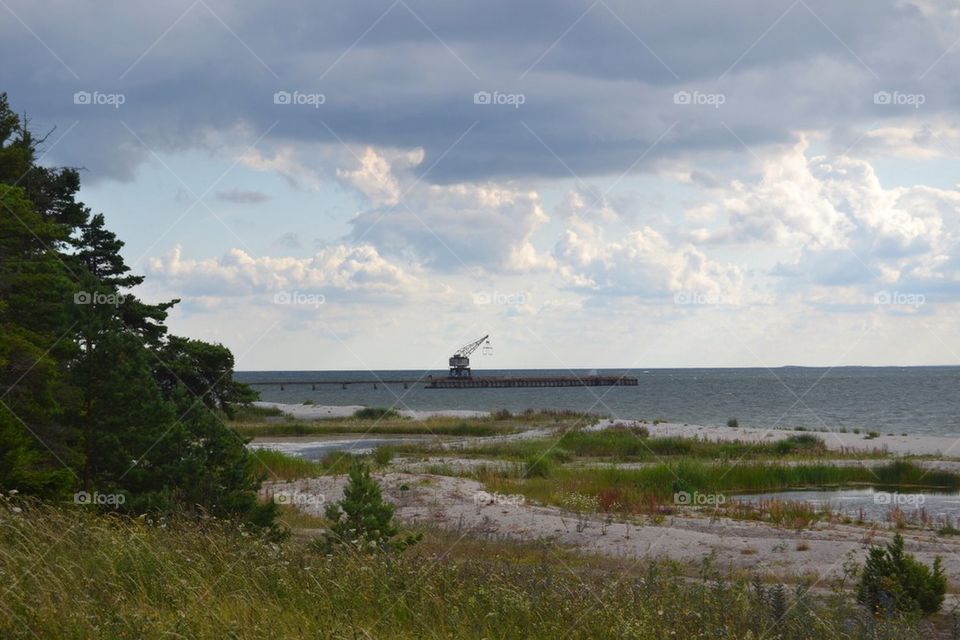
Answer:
[(913, 400)]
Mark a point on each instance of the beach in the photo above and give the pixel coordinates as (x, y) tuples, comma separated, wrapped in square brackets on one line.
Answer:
[(464, 504)]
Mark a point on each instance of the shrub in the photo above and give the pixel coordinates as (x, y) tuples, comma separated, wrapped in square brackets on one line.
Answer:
[(732, 423), (894, 580), (805, 442), (362, 518), (338, 462), (376, 413), (538, 466), (382, 456), (501, 414)]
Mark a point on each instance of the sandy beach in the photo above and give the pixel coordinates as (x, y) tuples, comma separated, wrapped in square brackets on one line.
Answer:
[(784, 553), (920, 445), (463, 505)]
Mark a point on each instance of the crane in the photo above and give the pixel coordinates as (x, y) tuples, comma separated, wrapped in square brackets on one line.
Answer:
[(460, 361)]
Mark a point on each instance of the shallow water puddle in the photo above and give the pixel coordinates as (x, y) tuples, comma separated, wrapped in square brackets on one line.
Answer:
[(873, 504)]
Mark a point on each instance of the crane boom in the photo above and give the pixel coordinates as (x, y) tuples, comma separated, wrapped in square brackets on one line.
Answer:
[(460, 361), (466, 350)]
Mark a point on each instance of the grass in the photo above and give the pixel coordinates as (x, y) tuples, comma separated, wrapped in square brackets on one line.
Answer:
[(624, 445), (69, 573), (276, 465), (645, 489), (375, 413), (380, 421)]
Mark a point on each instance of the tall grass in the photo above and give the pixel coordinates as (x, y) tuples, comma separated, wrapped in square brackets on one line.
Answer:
[(71, 574), (626, 446), (375, 413), (633, 489), (384, 421), (276, 465)]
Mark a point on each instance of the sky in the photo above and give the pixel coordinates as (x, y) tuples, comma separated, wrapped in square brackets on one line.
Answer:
[(370, 185)]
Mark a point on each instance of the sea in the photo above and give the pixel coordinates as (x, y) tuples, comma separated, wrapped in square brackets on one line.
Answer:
[(897, 400)]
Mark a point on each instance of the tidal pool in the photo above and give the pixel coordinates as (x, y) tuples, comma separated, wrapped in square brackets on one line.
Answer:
[(315, 448), (874, 504)]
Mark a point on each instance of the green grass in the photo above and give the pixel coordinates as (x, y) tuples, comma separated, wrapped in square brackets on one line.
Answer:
[(642, 490), (498, 424), (439, 426), (375, 413), (623, 445), (71, 574), (276, 465)]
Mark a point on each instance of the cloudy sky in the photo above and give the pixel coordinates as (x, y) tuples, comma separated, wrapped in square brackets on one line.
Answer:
[(353, 185)]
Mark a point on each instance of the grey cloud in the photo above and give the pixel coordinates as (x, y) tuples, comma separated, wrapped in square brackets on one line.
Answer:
[(598, 97)]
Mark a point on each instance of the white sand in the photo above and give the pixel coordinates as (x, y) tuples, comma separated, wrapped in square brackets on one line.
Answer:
[(851, 442), (782, 553), (687, 537)]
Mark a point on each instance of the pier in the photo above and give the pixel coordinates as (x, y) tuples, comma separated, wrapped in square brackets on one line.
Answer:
[(531, 382), (479, 382)]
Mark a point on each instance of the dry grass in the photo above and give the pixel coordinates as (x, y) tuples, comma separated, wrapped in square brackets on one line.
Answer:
[(69, 573)]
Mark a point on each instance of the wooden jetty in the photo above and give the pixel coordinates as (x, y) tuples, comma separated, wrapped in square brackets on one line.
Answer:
[(465, 382), (514, 382)]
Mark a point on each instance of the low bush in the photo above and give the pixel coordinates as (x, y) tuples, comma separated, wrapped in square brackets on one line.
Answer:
[(363, 520), (376, 413), (895, 581), (382, 456), (538, 467)]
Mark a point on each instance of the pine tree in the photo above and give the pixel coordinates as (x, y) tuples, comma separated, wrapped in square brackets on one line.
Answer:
[(205, 369), (362, 518), (93, 392), (894, 580), (34, 449)]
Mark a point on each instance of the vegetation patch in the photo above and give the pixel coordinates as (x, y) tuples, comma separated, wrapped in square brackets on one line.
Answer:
[(657, 486), (276, 465), (375, 413), (80, 575), (499, 423), (633, 445)]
